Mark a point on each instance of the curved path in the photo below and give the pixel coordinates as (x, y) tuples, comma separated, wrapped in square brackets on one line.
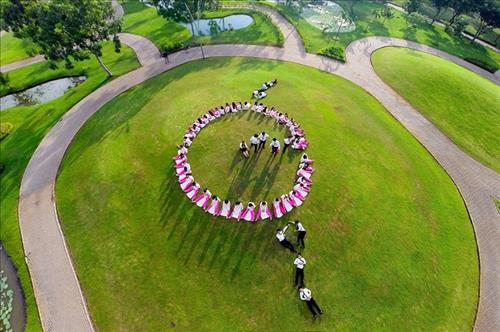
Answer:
[(60, 301), (21, 63)]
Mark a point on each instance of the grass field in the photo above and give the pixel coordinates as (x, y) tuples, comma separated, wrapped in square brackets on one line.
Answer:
[(424, 33), (13, 49), (462, 104), (142, 20), (389, 240), (30, 124)]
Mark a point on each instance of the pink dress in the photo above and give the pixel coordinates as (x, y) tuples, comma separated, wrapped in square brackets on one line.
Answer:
[(249, 214), (186, 186), (300, 191), (304, 174), (193, 191), (264, 212), (294, 200), (186, 182), (226, 209), (214, 207), (277, 209), (286, 203), (236, 214), (203, 200)]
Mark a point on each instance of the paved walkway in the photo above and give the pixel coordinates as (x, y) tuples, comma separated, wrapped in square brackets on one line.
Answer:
[(21, 63), (60, 301)]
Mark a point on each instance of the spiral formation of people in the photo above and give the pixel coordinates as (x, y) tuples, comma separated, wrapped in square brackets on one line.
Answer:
[(281, 205)]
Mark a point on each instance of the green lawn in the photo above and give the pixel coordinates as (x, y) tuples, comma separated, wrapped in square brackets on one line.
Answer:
[(389, 240), (315, 40), (30, 124), (462, 104), (13, 49), (142, 20)]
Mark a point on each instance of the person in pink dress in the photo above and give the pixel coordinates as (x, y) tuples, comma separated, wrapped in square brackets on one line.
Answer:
[(304, 173), (263, 213), (277, 208), (285, 202), (237, 211), (184, 177), (214, 208), (181, 150), (249, 214), (226, 209), (186, 182), (305, 159), (301, 191), (294, 199), (180, 159), (183, 170), (193, 191), (203, 199)]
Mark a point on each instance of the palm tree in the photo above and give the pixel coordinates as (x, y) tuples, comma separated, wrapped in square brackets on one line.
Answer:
[(344, 18)]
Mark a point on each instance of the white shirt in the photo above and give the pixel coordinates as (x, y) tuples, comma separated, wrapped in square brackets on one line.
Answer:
[(263, 137), (254, 140), (300, 262), (305, 294), (280, 235), (299, 227), (287, 141), (275, 144), (243, 146)]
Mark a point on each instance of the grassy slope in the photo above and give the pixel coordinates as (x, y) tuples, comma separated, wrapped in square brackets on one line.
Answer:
[(464, 105), (13, 49), (435, 36), (30, 126), (143, 20), (389, 240)]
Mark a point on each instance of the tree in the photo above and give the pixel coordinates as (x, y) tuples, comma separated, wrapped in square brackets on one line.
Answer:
[(344, 18), (461, 7), (411, 6), (489, 15), (440, 6), (64, 30), (179, 10), (376, 14), (387, 13)]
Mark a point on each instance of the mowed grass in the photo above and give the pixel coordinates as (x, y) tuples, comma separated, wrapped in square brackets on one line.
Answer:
[(389, 241), (424, 33), (30, 124), (260, 177), (13, 49), (465, 106), (143, 20)]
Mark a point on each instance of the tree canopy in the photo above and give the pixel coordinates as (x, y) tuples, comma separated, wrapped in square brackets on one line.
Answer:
[(65, 30)]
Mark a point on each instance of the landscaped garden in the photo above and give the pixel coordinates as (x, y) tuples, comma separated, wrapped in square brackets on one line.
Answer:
[(167, 34), (27, 126), (316, 41), (462, 104), (388, 233)]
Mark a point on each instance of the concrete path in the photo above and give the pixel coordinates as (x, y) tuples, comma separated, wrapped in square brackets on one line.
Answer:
[(61, 303), (21, 63)]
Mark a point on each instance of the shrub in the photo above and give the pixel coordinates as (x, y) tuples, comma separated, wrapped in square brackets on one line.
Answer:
[(5, 129), (172, 47), (482, 64), (333, 52)]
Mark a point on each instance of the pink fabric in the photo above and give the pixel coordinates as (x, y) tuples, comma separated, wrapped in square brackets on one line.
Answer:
[(192, 192), (249, 214), (187, 188), (277, 209), (214, 207)]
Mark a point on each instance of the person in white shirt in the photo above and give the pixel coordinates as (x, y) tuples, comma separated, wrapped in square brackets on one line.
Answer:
[(287, 142), (275, 146), (254, 142), (244, 148), (299, 263), (301, 233), (306, 295), (280, 236), (262, 140)]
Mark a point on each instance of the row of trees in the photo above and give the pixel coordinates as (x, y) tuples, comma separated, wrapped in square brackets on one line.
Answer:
[(487, 11)]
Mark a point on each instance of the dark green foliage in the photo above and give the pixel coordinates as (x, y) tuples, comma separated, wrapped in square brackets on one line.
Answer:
[(333, 52)]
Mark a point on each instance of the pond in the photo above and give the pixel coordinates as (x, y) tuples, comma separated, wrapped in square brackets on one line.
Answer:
[(41, 93), (12, 310), (324, 15), (213, 26)]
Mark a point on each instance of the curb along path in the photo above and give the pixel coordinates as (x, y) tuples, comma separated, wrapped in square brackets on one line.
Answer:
[(60, 301)]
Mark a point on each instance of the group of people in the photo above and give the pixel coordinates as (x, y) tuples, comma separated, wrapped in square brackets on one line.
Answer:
[(305, 294), (215, 206), (251, 212), (261, 92)]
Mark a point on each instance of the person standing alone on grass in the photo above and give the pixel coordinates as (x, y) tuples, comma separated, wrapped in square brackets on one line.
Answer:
[(287, 142), (262, 140), (301, 233), (299, 263), (254, 142), (305, 295), (244, 148), (280, 236), (275, 146)]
